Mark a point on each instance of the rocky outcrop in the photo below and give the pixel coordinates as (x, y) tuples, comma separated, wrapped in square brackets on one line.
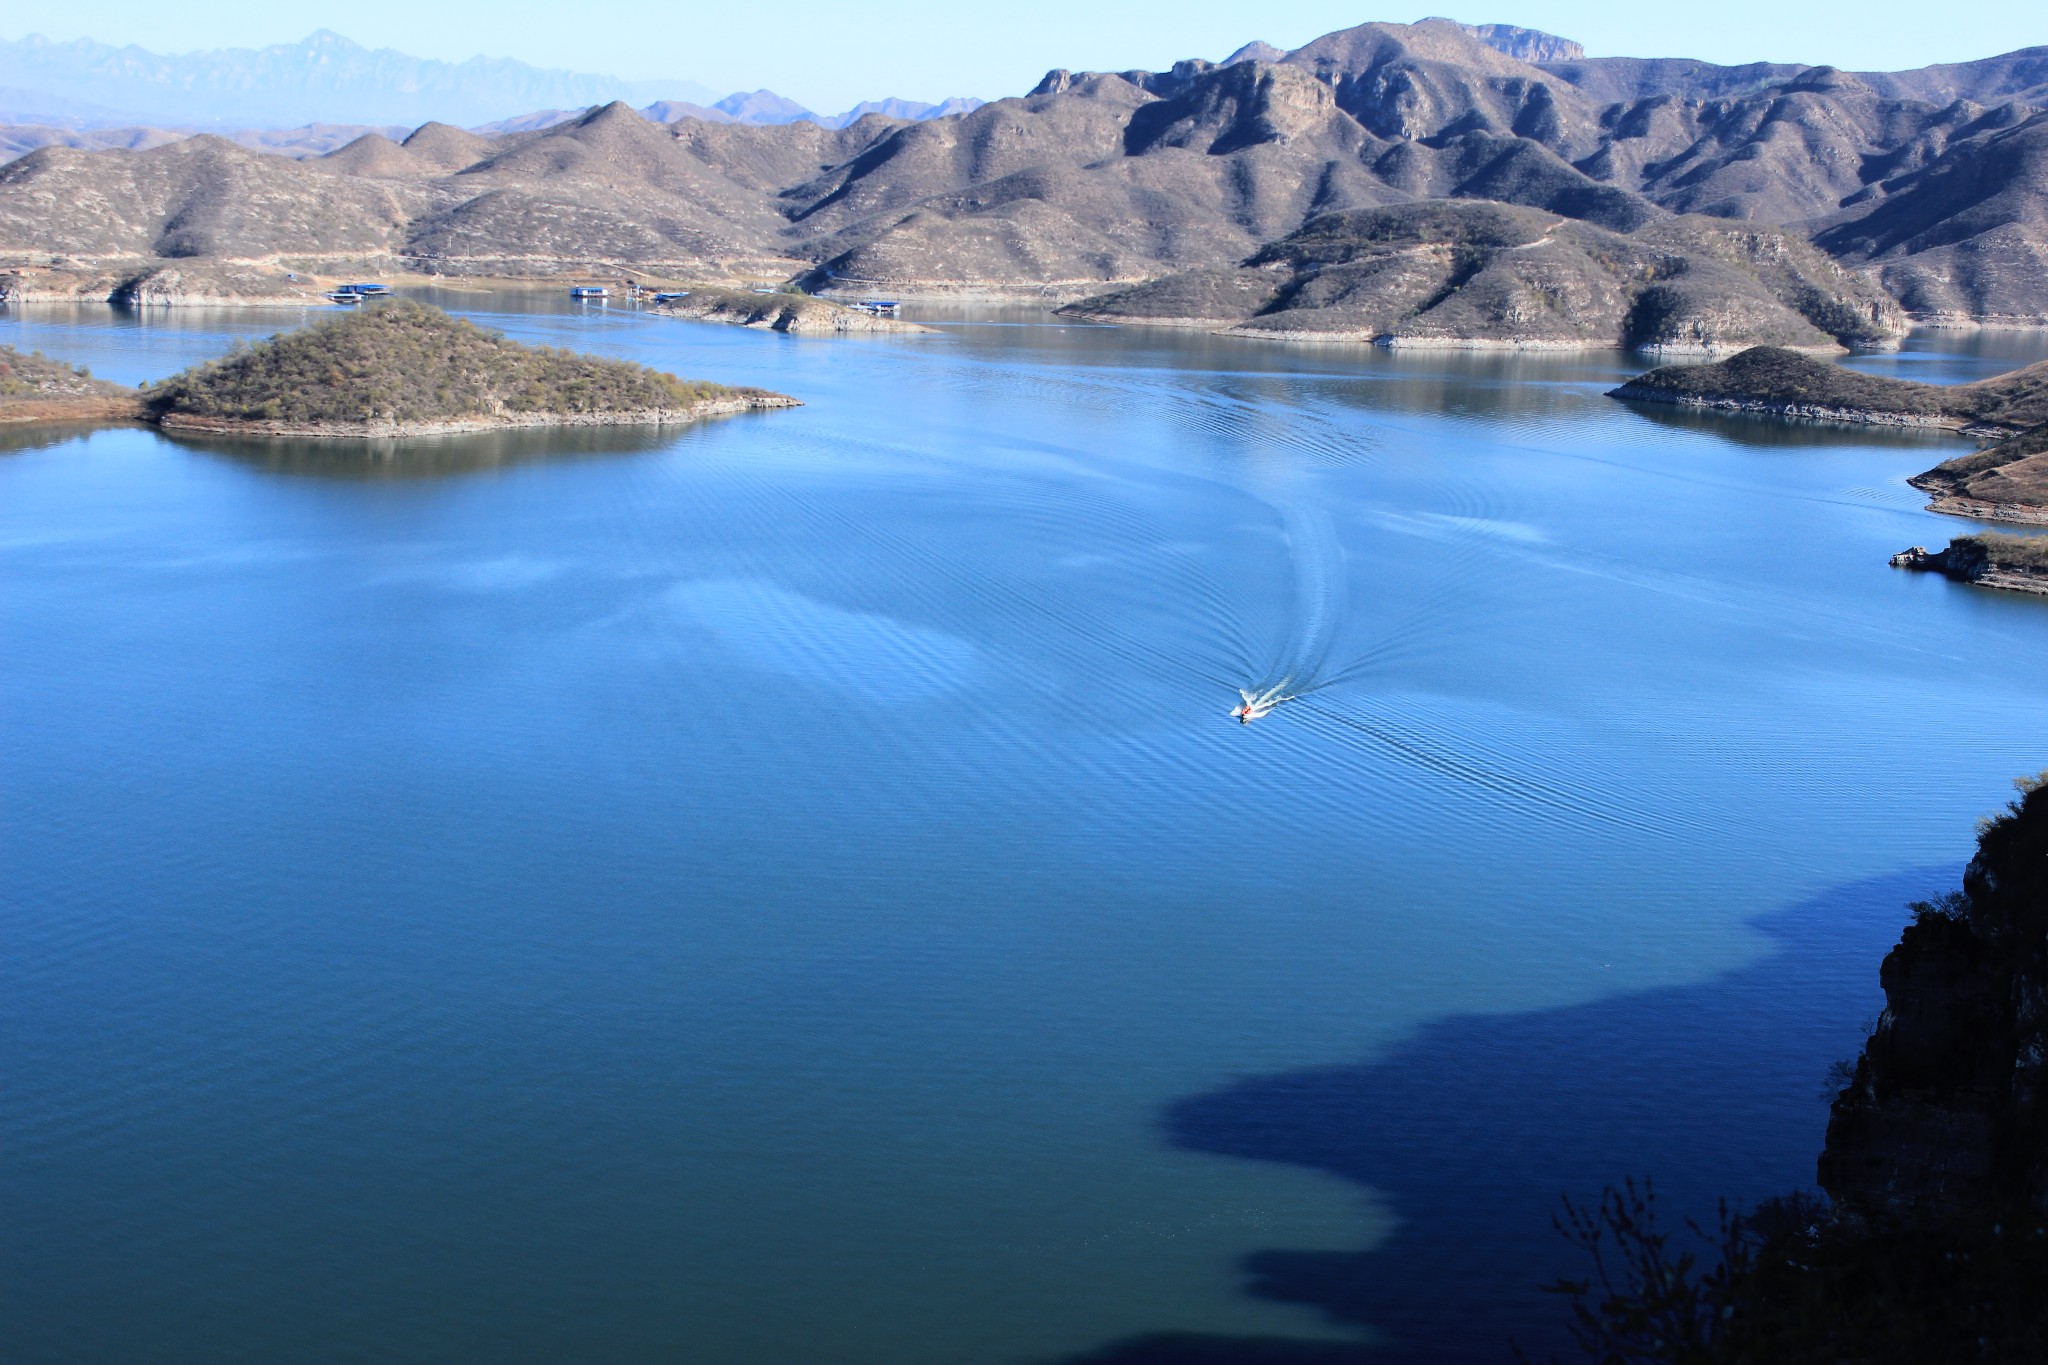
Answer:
[(1782, 383), (2015, 563), (1945, 1123), (2007, 481)]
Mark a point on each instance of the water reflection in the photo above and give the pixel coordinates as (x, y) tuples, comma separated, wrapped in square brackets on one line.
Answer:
[(1769, 431), (428, 457), (42, 435)]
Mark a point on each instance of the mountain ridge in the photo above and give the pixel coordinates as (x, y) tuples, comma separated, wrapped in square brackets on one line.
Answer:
[(1095, 182), (84, 85)]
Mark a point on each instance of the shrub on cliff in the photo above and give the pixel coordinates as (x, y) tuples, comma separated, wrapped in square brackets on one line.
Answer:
[(1935, 1249), (405, 362)]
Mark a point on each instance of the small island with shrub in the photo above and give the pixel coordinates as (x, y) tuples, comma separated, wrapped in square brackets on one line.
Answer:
[(406, 369)]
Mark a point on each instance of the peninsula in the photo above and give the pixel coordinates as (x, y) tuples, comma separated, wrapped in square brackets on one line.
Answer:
[(2007, 481), (1783, 383), (778, 312), (1990, 560), (35, 388), (405, 369)]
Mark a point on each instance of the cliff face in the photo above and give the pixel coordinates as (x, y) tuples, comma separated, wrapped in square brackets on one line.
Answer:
[(1945, 1123)]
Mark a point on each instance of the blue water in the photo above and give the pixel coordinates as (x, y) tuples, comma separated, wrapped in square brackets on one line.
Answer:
[(790, 891)]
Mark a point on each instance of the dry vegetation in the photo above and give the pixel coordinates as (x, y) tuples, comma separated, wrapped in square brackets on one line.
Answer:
[(35, 388), (404, 363), (35, 375)]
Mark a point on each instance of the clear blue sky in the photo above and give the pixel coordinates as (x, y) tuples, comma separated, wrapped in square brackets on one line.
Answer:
[(830, 53)]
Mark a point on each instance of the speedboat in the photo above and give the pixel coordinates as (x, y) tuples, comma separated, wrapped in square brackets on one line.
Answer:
[(1259, 705)]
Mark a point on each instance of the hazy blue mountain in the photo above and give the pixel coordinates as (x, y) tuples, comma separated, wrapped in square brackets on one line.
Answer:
[(325, 78), (762, 106), (913, 110), (52, 110)]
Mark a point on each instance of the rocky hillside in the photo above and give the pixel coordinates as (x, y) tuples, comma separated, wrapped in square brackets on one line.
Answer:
[(403, 367), (1784, 383), (1459, 273), (1946, 1119), (1932, 179)]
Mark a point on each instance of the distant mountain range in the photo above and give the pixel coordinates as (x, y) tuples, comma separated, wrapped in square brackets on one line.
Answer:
[(85, 85), (1662, 202)]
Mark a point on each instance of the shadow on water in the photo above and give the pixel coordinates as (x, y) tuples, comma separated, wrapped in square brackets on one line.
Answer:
[(426, 457), (1473, 1129), (1767, 430)]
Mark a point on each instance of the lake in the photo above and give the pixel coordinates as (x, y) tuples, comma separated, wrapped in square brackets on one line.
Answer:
[(789, 891)]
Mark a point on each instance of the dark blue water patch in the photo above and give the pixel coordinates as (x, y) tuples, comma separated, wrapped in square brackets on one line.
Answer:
[(1476, 1128)]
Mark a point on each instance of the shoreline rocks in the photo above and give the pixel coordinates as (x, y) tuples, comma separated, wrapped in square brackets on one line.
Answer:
[(183, 424), (2013, 563), (800, 314)]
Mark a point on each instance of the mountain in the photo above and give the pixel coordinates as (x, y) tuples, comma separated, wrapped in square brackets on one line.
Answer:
[(325, 78), (911, 111), (1708, 182), (1526, 44), (762, 106), (314, 139), (1462, 272)]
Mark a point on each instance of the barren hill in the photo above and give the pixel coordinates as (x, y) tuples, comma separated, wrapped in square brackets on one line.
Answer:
[(1932, 180), (1462, 273)]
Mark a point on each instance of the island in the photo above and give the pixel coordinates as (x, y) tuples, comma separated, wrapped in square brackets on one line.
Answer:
[(35, 388), (406, 369)]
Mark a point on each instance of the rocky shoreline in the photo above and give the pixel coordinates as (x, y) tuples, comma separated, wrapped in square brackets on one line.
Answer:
[(2014, 563), (800, 314), (186, 424), (1779, 382)]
